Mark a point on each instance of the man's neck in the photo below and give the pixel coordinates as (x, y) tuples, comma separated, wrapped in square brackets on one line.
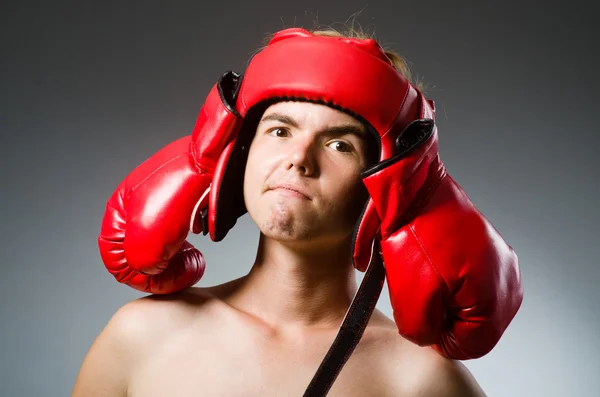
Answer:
[(290, 287)]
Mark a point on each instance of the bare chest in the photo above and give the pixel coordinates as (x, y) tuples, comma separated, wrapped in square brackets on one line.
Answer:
[(246, 365)]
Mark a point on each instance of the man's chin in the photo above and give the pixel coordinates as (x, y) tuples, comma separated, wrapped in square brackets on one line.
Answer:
[(298, 236), (284, 231)]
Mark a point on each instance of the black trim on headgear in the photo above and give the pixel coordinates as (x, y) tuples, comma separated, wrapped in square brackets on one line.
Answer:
[(411, 137), (230, 201), (229, 87)]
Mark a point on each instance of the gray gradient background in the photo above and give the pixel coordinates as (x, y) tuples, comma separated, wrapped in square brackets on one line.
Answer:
[(90, 90)]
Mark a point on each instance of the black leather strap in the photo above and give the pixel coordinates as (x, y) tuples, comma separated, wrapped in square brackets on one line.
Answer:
[(351, 330)]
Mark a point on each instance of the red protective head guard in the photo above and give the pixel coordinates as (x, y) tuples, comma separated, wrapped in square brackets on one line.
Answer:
[(351, 75)]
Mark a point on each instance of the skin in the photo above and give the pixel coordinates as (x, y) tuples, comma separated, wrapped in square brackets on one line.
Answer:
[(266, 333)]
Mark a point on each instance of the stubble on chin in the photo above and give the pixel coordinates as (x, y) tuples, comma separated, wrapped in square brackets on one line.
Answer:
[(281, 223)]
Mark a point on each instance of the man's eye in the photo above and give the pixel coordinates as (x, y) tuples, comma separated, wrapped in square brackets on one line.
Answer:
[(340, 146), (279, 132)]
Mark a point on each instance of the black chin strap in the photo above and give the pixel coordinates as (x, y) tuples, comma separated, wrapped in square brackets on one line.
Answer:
[(351, 330)]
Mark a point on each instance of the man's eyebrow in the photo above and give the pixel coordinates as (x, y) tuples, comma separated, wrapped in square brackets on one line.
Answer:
[(352, 129), (282, 118)]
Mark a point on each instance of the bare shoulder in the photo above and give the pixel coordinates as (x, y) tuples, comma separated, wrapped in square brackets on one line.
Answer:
[(435, 375), (124, 342), (158, 314), (448, 378), (155, 316), (408, 369)]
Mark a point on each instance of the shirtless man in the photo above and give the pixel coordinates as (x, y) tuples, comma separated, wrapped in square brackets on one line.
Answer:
[(266, 333)]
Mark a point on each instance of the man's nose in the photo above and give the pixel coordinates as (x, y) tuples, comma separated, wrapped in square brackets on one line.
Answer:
[(302, 156)]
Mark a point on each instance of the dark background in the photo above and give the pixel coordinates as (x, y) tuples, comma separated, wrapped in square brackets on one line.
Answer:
[(91, 89)]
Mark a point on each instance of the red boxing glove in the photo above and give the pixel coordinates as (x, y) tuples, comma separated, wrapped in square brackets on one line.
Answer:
[(453, 281), (148, 217)]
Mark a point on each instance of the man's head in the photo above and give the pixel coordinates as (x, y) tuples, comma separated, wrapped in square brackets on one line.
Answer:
[(300, 72), (320, 153)]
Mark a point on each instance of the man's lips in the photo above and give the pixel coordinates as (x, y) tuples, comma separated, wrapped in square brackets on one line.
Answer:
[(291, 189)]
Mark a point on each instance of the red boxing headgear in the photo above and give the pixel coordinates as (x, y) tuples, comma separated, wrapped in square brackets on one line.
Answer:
[(351, 75)]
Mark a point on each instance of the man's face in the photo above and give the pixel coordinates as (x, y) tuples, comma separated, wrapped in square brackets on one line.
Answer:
[(302, 180)]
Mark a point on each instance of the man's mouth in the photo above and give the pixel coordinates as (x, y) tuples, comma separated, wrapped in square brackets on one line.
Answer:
[(291, 190)]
